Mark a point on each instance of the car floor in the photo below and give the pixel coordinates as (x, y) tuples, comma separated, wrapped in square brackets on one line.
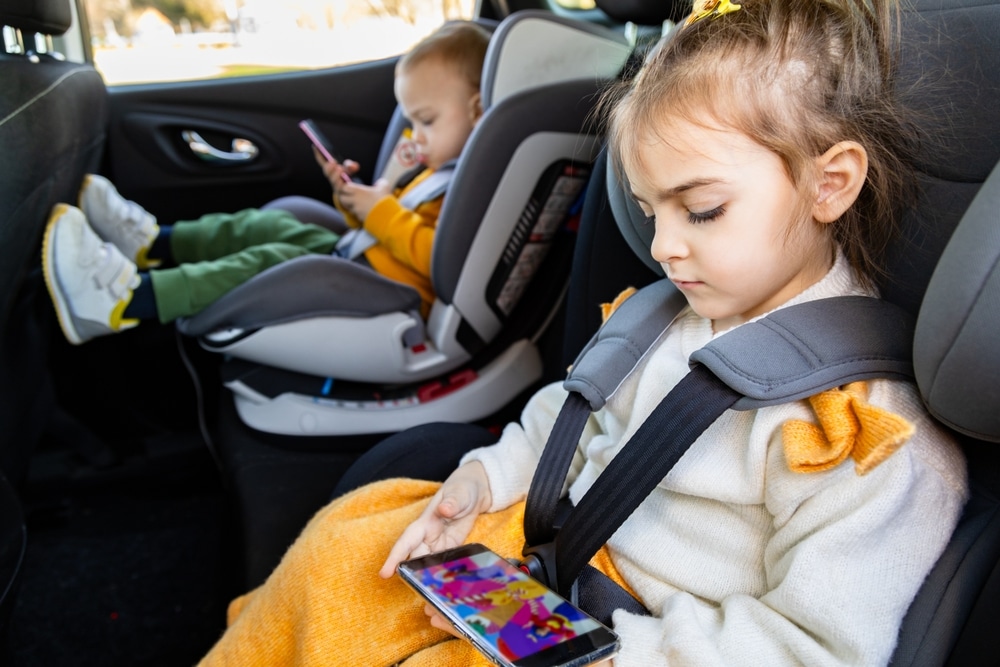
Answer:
[(126, 564), (132, 546)]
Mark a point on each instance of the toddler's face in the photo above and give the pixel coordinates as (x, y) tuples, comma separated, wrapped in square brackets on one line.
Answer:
[(733, 232), (442, 107)]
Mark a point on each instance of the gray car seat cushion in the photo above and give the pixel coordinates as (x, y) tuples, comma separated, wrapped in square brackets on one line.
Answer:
[(329, 286), (633, 223), (957, 365)]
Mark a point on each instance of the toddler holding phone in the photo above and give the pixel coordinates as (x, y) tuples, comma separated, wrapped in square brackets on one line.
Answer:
[(747, 138), (100, 260)]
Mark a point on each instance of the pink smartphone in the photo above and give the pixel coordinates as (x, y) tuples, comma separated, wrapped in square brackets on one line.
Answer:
[(324, 145)]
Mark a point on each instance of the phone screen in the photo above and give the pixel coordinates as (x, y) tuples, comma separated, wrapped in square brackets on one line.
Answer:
[(512, 615)]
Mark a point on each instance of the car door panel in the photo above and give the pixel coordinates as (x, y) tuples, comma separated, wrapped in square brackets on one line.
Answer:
[(150, 158)]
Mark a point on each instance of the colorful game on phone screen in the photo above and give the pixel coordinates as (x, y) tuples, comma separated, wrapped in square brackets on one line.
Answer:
[(515, 613)]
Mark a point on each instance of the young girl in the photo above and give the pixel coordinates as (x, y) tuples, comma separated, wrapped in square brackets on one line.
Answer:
[(762, 141), (92, 254)]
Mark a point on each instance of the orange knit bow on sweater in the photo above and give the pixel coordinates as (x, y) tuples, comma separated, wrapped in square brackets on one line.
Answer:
[(848, 426)]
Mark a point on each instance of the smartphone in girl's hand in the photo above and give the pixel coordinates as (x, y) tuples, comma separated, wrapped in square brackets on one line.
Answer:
[(509, 616)]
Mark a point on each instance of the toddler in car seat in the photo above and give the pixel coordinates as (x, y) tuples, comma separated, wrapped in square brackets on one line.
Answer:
[(764, 142), (100, 260)]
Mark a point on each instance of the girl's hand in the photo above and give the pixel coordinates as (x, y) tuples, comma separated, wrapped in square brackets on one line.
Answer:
[(441, 623), (447, 520), (361, 199)]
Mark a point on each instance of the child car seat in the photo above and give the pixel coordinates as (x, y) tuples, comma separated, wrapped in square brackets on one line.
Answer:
[(372, 364)]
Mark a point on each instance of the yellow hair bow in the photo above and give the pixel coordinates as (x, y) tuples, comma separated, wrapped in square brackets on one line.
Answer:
[(716, 8), (848, 426)]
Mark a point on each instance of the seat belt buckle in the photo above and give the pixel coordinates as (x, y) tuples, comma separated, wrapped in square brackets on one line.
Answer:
[(539, 561)]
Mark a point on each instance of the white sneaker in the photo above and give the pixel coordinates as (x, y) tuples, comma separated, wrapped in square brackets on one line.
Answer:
[(90, 280), (118, 220)]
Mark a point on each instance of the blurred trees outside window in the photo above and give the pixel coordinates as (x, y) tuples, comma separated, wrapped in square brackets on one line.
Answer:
[(144, 41)]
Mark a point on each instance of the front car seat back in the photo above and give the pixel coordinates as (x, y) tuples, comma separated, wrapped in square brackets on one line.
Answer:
[(53, 119), (53, 123), (523, 169)]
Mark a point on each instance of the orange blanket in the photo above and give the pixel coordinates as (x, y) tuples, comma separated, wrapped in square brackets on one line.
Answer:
[(326, 605)]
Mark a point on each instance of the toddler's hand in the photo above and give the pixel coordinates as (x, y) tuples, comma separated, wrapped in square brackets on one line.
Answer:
[(337, 173), (448, 518), (361, 199)]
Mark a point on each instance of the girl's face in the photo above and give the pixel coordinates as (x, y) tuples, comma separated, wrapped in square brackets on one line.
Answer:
[(442, 107), (732, 230)]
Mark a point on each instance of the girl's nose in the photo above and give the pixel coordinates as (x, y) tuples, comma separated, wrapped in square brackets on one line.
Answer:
[(668, 244)]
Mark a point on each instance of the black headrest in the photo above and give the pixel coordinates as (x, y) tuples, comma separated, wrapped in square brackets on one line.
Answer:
[(951, 61), (645, 12), (49, 17)]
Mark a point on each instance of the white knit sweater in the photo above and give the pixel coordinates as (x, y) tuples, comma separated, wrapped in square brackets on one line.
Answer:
[(742, 561)]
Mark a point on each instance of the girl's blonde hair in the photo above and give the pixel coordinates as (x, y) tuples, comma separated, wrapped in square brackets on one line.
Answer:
[(796, 76)]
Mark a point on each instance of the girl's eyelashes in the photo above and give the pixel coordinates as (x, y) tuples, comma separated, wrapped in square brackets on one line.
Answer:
[(699, 217), (694, 217)]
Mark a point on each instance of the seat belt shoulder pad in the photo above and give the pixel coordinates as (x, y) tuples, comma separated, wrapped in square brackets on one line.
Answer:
[(799, 351), (622, 340)]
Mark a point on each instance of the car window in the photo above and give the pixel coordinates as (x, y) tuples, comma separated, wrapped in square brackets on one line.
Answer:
[(144, 41), (576, 4)]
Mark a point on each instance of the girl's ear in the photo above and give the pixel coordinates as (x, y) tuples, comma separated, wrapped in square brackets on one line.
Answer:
[(842, 171), (476, 107)]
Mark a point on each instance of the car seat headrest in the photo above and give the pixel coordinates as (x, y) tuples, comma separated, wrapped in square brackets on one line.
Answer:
[(950, 75), (533, 48), (644, 12), (48, 17), (632, 222), (956, 356)]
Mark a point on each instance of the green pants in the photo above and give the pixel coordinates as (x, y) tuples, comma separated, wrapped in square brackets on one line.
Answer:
[(221, 251)]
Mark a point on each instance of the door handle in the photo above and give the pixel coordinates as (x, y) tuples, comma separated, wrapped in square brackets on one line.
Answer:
[(243, 150)]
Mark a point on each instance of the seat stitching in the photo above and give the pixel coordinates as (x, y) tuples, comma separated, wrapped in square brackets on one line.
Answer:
[(42, 94)]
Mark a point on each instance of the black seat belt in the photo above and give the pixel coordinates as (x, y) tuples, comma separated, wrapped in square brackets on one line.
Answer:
[(558, 557), (792, 354)]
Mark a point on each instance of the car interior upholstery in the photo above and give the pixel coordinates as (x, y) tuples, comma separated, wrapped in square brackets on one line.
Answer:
[(945, 271)]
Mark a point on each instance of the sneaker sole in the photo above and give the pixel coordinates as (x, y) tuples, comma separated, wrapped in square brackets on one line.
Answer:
[(63, 313)]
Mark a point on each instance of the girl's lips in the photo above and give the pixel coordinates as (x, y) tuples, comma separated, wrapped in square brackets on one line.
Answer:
[(685, 284)]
